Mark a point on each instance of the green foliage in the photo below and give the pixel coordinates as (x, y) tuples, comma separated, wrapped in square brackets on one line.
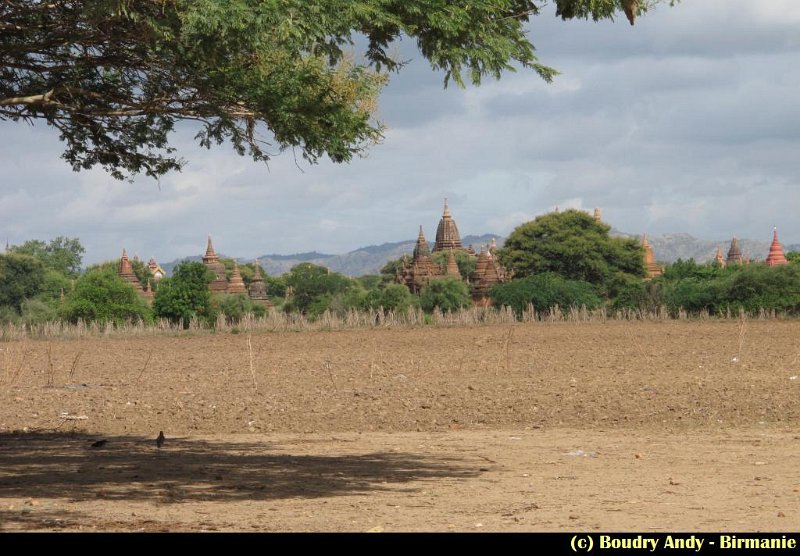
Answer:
[(263, 76), (758, 286), (276, 285), (309, 282), (466, 263), (101, 296), (21, 277), (638, 294), (544, 291), (62, 254), (391, 269), (392, 297), (575, 246), (185, 295), (53, 284), (448, 294), (370, 281), (793, 257), (36, 311), (236, 306)]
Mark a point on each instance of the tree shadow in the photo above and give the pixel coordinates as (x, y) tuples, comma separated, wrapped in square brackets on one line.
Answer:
[(131, 468)]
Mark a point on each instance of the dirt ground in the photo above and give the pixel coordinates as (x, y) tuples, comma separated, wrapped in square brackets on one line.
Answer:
[(532, 427)]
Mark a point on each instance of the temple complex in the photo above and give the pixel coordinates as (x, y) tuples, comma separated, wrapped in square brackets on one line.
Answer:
[(776, 256), (421, 269), (651, 268)]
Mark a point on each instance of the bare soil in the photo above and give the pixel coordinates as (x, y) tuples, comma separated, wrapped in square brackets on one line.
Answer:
[(531, 427)]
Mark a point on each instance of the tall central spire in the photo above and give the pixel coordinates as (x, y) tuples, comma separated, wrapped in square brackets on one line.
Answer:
[(447, 236)]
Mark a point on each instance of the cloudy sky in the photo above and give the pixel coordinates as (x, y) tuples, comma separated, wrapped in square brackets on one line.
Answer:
[(687, 122)]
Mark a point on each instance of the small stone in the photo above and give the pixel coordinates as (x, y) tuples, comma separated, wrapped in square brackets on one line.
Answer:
[(781, 514)]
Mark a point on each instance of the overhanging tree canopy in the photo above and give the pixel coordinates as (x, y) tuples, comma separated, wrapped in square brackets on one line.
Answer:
[(114, 76)]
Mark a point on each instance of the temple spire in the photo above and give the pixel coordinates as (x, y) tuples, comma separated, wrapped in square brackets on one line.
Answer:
[(776, 255), (447, 236), (210, 254)]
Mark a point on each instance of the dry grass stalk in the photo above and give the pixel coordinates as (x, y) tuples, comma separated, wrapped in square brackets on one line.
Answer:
[(252, 366)]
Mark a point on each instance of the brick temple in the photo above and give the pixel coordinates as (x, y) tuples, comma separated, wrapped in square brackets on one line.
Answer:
[(420, 269)]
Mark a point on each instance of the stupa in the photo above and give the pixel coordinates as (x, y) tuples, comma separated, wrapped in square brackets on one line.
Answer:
[(236, 284), (212, 262), (776, 256), (734, 253), (651, 268)]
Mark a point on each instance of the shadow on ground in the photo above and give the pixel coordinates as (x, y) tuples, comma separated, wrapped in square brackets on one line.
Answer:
[(129, 468)]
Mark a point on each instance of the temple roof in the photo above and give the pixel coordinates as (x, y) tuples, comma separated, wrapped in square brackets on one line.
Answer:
[(718, 258), (125, 272), (776, 256), (236, 284), (447, 236), (734, 253), (258, 289), (421, 248)]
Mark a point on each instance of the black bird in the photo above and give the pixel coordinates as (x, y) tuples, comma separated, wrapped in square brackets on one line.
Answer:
[(160, 440), (99, 443)]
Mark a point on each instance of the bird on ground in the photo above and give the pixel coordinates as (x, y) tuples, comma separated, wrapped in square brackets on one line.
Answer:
[(99, 443), (160, 440)]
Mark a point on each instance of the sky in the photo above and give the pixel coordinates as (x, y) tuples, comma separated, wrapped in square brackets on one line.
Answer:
[(686, 122)]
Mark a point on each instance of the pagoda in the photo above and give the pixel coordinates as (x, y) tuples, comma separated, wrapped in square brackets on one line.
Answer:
[(488, 272), (155, 269), (416, 273), (447, 236), (258, 290), (651, 268), (236, 285), (125, 272), (452, 266), (776, 256), (212, 262), (734, 253), (718, 258)]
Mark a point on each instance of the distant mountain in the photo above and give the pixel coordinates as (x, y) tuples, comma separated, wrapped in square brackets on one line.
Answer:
[(369, 260)]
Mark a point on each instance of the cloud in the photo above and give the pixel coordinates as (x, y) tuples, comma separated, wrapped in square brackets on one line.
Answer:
[(686, 122)]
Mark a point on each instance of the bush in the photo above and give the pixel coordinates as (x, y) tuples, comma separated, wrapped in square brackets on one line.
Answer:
[(185, 295), (236, 306), (392, 297), (544, 291), (103, 296), (448, 294)]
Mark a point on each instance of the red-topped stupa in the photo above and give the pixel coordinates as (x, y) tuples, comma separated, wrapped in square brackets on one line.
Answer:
[(776, 256)]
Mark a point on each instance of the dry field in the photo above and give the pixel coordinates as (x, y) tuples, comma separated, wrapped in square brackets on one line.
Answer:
[(529, 427)]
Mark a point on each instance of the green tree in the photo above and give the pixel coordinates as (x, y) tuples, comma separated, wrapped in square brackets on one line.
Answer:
[(310, 282), (793, 257), (62, 254), (391, 297), (575, 246), (448, 294), (21, 277), (115, 76), (100, 295), (544, 291), (185, 295), (236, 306)]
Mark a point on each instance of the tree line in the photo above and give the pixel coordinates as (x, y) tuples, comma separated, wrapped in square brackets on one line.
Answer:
[(560, 259)]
